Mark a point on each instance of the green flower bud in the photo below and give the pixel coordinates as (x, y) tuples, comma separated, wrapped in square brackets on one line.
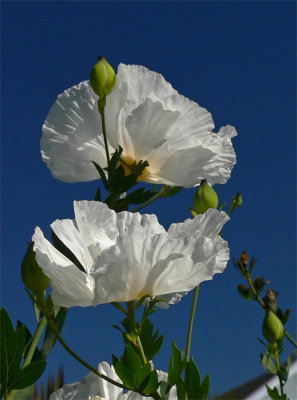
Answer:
[(272, 327), (205, 198), (102, 78), (32, 275)]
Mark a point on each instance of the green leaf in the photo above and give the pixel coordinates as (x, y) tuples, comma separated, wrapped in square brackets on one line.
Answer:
[(139, 196), (114, 161), (291, 358), (50, 338), (27, 376), (171, 191), (273, 393), (102, 174), (129, 368), (180, 388), (283, 374), (283, 316), (268, 363), (25, 394), (259, 284), (252, 264), (193, 380), (97, 195), (204, 387), (150, 384), (245, 292), (28, 341), (151, 342), (194, 389), (176, 365), (12, 346)]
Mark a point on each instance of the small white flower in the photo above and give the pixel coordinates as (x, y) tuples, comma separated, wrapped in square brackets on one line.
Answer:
[(150, 120), (126, 256), (92, 387)]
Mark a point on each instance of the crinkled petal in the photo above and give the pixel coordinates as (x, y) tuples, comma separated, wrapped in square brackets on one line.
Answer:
[(209, 224), (70, 286), (147, 126), (97, 227), (67, 232), (87, 388), (72, 136), (108, 390), (160, 264)]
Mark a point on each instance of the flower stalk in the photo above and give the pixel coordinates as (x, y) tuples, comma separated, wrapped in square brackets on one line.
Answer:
[(102, 115), (79, 359), (189, 334)]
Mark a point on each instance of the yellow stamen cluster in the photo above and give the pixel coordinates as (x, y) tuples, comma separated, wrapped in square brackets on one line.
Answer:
[(127, 163)]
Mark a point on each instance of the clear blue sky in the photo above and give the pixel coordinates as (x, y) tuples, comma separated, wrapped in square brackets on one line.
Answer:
[(237, 59)]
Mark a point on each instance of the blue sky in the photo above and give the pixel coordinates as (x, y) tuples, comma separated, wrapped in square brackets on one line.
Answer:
[(237, 59)]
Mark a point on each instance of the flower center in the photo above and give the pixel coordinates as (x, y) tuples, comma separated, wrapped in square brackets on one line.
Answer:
[(128, 164)]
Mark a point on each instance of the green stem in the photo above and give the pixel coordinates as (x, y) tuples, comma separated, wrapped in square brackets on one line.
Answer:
[(290, 339), (277, 364), (191, 321), (101, 111), (141, 351), (163, 188), (260, 301), (79, 359), (35, 340), (189, 335)]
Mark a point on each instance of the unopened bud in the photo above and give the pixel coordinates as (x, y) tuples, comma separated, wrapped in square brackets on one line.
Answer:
[(32, 275), (236, 201), (270, 300), (272, 327), (244, 258), (205, 198), (102, 78)]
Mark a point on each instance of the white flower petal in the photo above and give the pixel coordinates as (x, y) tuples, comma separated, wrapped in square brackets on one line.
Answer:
[(72, 136), (147, 126), (209, 224), (106, 389), (97, 226), (70, 286)]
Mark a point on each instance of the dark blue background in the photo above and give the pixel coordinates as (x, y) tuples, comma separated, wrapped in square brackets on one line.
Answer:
[(237, 59)]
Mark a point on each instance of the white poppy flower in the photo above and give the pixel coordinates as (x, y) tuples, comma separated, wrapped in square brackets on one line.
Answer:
[(151, 122), (126, 256), (92, 387)]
